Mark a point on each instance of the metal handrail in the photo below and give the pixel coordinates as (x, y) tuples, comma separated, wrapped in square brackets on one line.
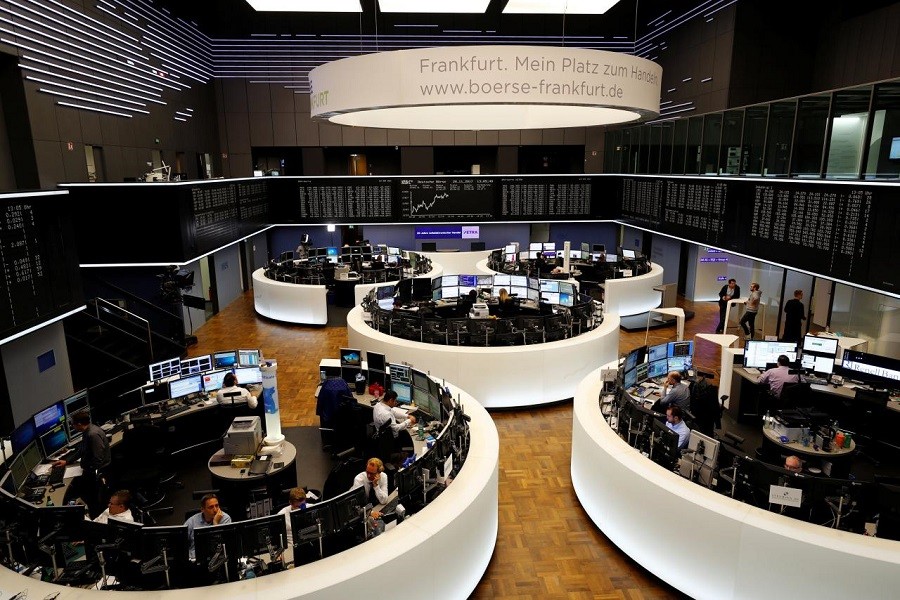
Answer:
[(116, 307)]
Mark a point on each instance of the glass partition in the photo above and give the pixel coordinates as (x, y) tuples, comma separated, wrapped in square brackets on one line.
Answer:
[(754, 139), (867, 315), (667, 132), (730, 149), (848, 128), (653, 148), (809, 136), (678, 147), (712, 135), (884, 141), (778, 138), (694, 139)]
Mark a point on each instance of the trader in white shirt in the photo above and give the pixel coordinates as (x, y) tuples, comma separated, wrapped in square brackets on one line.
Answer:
[(387, 411), (119, 508), (374, 481), (229, 385)]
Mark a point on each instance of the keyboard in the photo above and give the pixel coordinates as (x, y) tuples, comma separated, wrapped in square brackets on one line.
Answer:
[(816, 380), (752, 371), (34, 495), (56, 475), (176, 411)]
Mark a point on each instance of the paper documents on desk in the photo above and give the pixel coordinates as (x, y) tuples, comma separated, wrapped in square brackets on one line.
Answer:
[(74, 471)]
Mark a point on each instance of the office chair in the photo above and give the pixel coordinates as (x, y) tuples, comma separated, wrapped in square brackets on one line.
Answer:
[(796, 395), (140, 459), (435, 331), (865, 421)]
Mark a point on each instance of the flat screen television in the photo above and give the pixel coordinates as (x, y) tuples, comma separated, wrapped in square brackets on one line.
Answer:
[(871, 368)]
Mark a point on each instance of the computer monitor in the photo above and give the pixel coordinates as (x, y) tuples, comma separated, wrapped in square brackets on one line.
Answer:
[(598, 248), (263, 535), (871, 368), (685, 348), (165, 368), (225, 359), (421, 288), (23, 435), (705, 453), (248, 375), (171, 538), (630, 379), (400, 373), (657, 368), (549, 286), (641, 372), (375, 361), (821, 365), (63, 522), (665, 450), (332, 254), (628, 254), (658, 352), (50, 417), (213, 544), (32, 456), (550, 297), (312, 522), (54, 440), (404, 391), (286, 256), (347, 508), (635, 357), (550, 246), (248, 358), (385, 292), (887, 503), (196, 364), (820, 345), (409, 483), (501, 280), (185, 386), (18, 472), (75, 403), (611, 258), (214, 380), (759, 353)]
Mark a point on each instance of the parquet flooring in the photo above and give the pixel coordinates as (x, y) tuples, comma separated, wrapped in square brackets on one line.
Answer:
[(547, 547)]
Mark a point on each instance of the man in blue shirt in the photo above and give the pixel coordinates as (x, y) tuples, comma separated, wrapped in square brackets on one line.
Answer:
[(210, 515), (674, 422)]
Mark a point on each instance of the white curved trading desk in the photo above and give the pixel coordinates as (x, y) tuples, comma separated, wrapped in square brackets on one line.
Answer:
[(361, 289), (454, 535), (499, 376), (483, 268), (633, 295), (708, 545), (290, 302), (456, 263)]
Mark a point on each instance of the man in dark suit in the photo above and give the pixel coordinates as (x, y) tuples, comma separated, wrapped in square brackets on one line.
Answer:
[(728, 292)]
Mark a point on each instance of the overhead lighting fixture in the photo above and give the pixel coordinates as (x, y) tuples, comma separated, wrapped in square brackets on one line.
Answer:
[(559, 7), (486, 88), (334, 6), (433, 6)]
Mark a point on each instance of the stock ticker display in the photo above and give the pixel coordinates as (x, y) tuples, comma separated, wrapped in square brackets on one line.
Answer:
[(840, 230), (38, 261)]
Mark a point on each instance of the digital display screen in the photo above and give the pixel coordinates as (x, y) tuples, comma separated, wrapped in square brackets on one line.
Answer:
[(165, 368), (212, 380), (351, 357), (485, 280), (566, 299), (449, 280), (22, 436), (550, 297), (549, 285), (54, 440), (518, 280), (681, 348), (627, 253), (49, 418), (658, 352), (248, 375), (566, 288), (72, 405), (179, 388), (658, 368), (680, 363), (404, 391), (630, 379), (535, 246), (197, 364), (817, 364), (225, 359), (400, 373), (248, 358), (518, 292), (812, 343), (758, 353), (550, 246), (449, 292), (468, 280), (501, 281)]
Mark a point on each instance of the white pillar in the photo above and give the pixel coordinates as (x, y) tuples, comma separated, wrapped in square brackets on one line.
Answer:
[(270, 403)]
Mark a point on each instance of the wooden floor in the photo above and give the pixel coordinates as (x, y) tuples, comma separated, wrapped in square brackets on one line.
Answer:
[(547, 547)]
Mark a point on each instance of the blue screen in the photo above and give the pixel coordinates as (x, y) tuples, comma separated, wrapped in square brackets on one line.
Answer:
[(659, 352), (630, 378), (22, 436), (404, 393), (468, 280), (658, 368), (225, 360)]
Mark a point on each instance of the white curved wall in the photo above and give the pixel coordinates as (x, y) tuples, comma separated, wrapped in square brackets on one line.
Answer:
[(290, 302), (633, 295), (708, 545), (500, 376), (456, 263), (454, 536)]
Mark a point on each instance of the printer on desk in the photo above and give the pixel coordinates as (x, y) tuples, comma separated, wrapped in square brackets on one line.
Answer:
[(479, 310), (243, 436)]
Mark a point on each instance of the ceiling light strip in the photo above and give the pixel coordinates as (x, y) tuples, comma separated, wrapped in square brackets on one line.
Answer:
[(180, 119), (197, 40), (179, 64), (81, 81), (85, 19), (166, 37), (659, 18), (92, 101), (82, 90), (720, 8), (680, 20), (132, 79), (125, 47), (101, 110), (147, 95)]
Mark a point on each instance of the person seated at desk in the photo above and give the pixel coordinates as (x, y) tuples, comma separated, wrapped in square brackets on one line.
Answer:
[(296, 501), (386, 411), (464, 304), (793, 463), (119, 508), (674, 422), (210, 515), (677, 393), (230, 386), (93, 451), (506, 305), (777, 377), (374, 481)]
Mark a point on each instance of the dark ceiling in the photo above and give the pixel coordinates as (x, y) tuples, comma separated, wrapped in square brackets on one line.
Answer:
[(235, 18)]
